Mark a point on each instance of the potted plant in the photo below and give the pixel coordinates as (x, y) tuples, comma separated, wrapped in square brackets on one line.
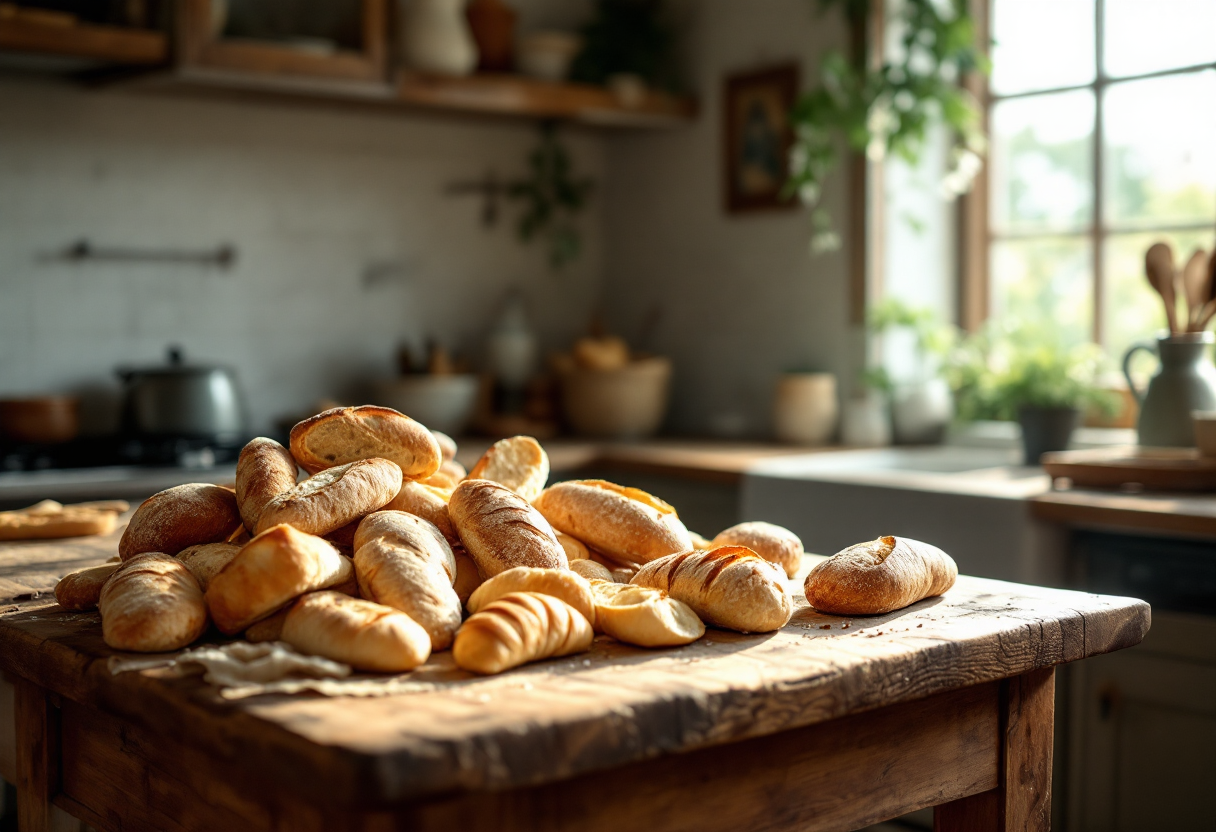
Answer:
[(921, 402)]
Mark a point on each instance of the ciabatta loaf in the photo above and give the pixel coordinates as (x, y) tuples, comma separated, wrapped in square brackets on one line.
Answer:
[(207, 559), (519, 628), (151, 604), (731, 587), (404, 562), (264, 470), (626, 524), (560, 583), (80, 590), (270, 571), (329, 500), (348, 434), (365, 635), (644, 616), (500, 530), (519, 463), (771, 542), (879, 576), (178, 517)]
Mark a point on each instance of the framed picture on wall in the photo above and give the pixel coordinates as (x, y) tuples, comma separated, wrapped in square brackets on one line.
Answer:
[(757, 137)]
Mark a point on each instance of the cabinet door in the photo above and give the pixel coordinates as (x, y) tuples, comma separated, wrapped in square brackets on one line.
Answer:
[(1144, 722)]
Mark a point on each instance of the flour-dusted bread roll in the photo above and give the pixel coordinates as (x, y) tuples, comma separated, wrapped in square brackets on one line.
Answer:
[(327, 501), (591, 570), (450, 474), (575, 549), (467, 576), (626, 524), (519, 628), (730, 587), (644, 616), (518, 462), (404, 562), (363, 634), (500, 530), (80, 590), (207, 559), (879, 576), (447, 445), (560, 583), (349, 434), (178, 517), (264, 470), (151, 604), (270, 571), (773, 543), (427, 502)]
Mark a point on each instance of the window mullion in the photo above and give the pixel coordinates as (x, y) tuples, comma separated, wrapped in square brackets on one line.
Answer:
[(1099, 265)]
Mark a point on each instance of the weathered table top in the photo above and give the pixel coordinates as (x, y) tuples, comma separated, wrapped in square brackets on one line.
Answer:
[(553, 720)]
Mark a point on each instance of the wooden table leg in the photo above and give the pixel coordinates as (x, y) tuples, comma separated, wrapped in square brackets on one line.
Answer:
[(37, 756), (1022, 801)]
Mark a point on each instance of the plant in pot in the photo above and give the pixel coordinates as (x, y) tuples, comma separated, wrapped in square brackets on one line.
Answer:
[(921, 402)]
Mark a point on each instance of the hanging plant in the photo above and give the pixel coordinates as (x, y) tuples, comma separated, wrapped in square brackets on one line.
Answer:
[(888, 110), (551, 198)]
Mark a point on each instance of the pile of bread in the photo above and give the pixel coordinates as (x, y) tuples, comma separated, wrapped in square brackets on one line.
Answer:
[(373, 559)]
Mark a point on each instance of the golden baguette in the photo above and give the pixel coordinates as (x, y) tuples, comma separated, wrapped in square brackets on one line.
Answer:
[(500, 530), (327, 501), (363, 634), (771, 542), (518, 462), (81, 590), (264, 470), (429, 503), (348, 434), (519, 628), (879, 576), (151, 604)]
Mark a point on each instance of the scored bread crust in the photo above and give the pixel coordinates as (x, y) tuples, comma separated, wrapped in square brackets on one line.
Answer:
[(182, 516), (270, 571), (560, 583), (500, 530), (519, 628), (363, 634), (626, 524), (774, 543), (879, 576), (327, 501), (348, 434), (264, 470), (518, 462), (429, 503), (80, 590), (730, 587), (404, 562), (151, 604), (644, 616), (207, 559)]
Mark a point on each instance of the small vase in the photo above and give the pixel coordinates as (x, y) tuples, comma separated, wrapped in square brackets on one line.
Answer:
[(805, 409), (492, 23), (435, 37), (920, 413), (866, 422), (1046, 429)]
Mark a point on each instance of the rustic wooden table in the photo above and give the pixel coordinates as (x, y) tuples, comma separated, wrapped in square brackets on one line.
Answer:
[(829, 724)]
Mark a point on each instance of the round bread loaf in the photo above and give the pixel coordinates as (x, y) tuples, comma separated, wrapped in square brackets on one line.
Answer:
[(560, 583), (348, 434), (427, 502), (773, 543), (363, 634), (500, 530), (151, 604), (178, 517), (518, 462), (731, 587), (327, 501), (207, 559), (264, 470), (80, 590), (626, 524), (879, 576)]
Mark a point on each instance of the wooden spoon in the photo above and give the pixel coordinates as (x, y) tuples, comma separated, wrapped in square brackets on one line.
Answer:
[(1195, 285), (1159, 266), (1209, 307)]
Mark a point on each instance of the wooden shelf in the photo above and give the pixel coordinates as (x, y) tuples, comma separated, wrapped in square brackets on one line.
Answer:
[(136, 47)]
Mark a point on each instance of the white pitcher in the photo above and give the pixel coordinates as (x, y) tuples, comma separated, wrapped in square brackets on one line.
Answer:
[(435, 37)]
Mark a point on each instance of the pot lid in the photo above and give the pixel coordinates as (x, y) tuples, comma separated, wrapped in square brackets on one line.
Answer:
[(176, 367)]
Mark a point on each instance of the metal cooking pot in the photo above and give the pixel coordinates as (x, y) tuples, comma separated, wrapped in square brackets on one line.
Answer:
[(183, 400)]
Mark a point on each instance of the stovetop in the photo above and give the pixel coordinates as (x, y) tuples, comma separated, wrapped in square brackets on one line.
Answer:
[(108, 451)]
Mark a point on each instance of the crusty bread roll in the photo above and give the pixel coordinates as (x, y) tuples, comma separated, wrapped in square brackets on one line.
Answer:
[(207, 559), (80, 590), (879, 576), (269, 628), (560, 583), (730, 587), (500, 530), (519, 628), (450, 474), (404, 562), (644, 616), (773, 543), (467, 576), (264, 470), (518, 462), (329, 500), (626, 524), (429, 503), (348, 434), (447, 445), (151, 604), (273, 569), (575, 549), (622, 573), (591, 570), (178, 517), (363, 634)]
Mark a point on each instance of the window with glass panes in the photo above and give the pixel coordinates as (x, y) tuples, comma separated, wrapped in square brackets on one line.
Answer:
[(1103, 131)]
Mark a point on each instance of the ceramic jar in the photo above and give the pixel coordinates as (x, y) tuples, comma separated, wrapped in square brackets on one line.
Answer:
[(1185, 382), (435, 37), (805, 410), (921, 412), (866, 421)]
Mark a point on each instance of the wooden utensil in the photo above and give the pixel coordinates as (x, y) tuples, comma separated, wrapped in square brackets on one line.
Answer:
[(1159, 266), (1194, 285)]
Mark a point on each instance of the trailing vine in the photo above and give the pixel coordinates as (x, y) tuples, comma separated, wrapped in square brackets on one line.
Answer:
[(551, 197)]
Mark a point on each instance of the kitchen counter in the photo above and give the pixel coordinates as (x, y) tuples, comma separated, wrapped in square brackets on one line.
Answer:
[(1177, 514)]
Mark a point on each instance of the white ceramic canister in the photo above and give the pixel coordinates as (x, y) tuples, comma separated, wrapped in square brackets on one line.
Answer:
[(435, 37), (866, 422), (805, 410)]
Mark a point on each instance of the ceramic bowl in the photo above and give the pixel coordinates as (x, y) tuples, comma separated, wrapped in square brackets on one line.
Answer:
[(1205, 431), (443, 403), (547, 55), (627, 403)]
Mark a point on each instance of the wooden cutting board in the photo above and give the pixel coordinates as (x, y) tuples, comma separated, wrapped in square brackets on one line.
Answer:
[(1154, 469)]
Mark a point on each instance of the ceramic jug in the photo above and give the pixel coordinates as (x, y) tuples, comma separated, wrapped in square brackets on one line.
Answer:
[(435, 37), (1185, 381)]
